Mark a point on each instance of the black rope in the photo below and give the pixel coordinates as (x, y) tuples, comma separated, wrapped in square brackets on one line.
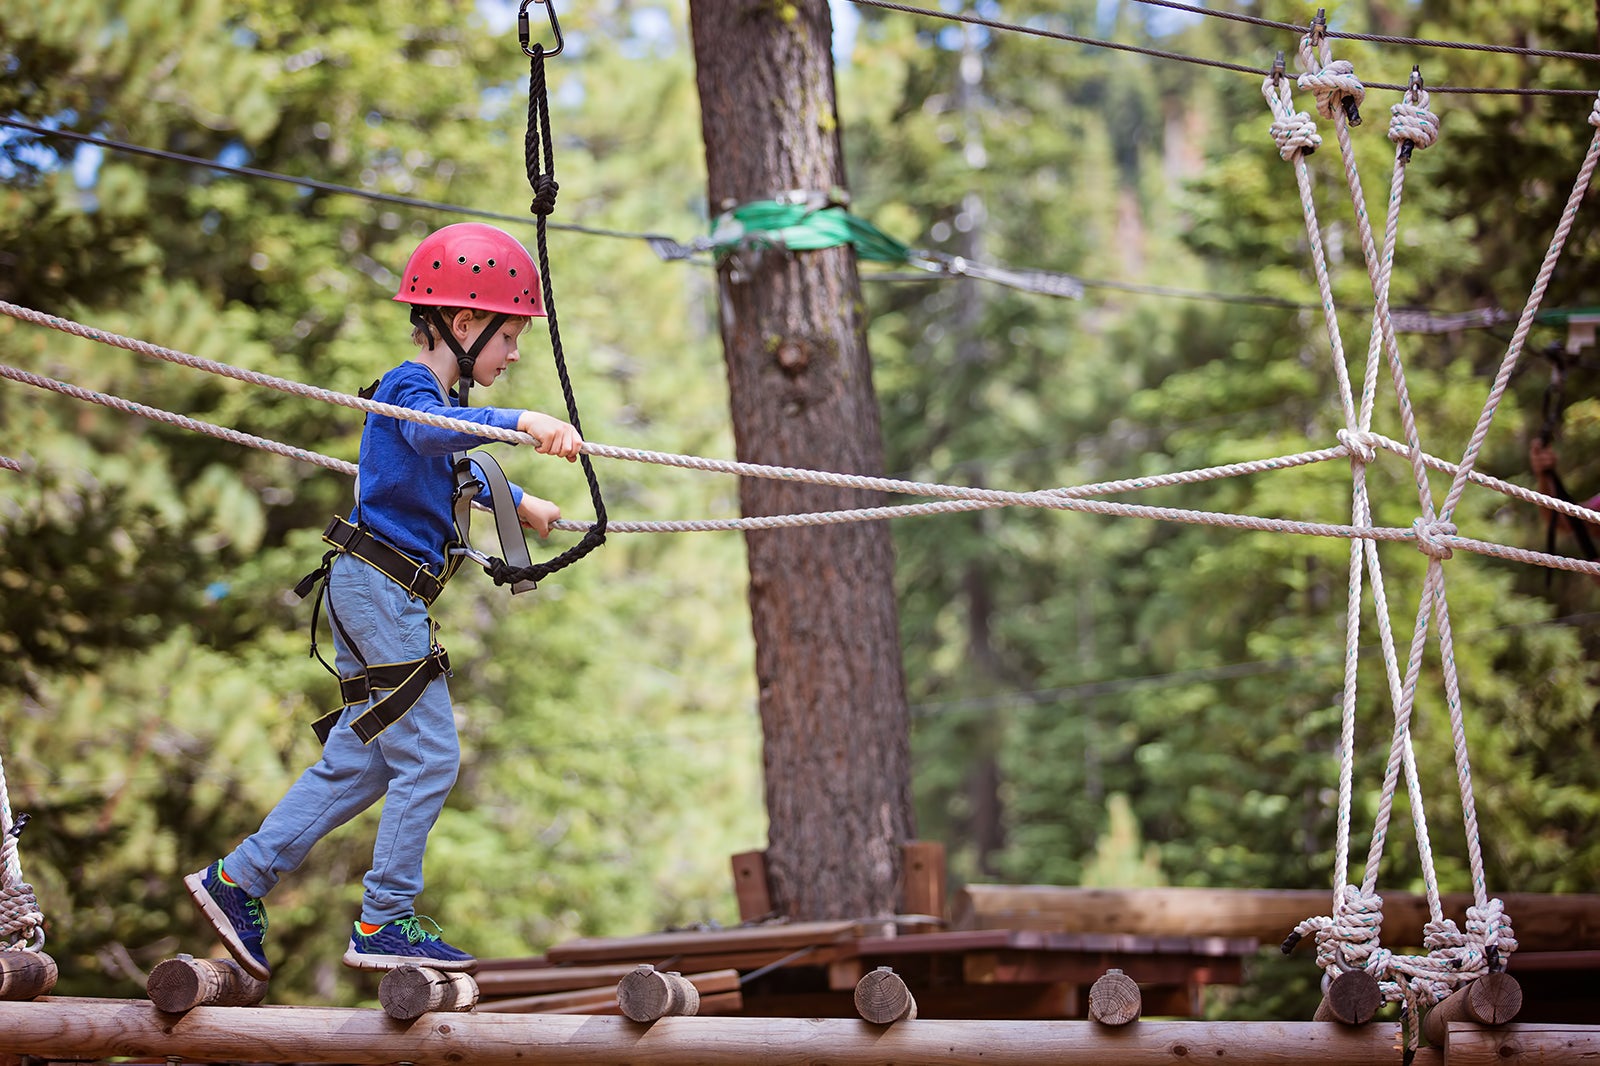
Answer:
[(539, 153)]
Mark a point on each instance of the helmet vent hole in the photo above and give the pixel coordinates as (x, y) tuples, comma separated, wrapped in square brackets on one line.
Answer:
[(472, 296), (513, 271), (437, 264), (476, 269), (461, 259), (491, 262)]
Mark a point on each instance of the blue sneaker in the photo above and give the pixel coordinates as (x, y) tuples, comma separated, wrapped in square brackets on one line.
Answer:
[(238, 917), (404, 942)]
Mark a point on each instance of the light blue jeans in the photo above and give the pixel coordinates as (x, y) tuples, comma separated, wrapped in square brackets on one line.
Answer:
[(411, 766)]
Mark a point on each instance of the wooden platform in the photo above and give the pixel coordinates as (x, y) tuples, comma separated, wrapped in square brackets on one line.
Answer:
[(810, 969)]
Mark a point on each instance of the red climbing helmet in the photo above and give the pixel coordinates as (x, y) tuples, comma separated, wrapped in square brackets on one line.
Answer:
[(471, 264)]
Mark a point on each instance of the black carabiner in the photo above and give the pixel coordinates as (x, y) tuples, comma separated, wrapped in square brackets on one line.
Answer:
[(522, 28)]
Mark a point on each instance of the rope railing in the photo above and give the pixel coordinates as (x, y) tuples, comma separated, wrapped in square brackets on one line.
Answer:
[(952, 498)]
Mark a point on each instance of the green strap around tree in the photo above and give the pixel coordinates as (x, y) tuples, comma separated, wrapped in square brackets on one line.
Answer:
[(800, 227)]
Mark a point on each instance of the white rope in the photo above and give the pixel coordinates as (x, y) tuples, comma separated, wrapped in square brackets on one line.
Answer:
[(21, 921), (1349, 937), (1335, 82), (971, 498)]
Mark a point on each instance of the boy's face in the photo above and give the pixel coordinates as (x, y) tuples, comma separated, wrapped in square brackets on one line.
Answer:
[(499, 352)]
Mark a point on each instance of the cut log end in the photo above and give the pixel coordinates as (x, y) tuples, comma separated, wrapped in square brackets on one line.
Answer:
[(648, 995), (883, 998), (1492, 999), (1114, 999), (181, 984), (1353, 998), (409, 992)]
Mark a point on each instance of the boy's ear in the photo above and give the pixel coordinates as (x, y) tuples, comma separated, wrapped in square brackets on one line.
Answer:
[(461, 323)]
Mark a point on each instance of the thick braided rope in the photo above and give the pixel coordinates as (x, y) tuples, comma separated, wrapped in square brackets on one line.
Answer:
[(21, 921), (1335, 83), (8, 463)]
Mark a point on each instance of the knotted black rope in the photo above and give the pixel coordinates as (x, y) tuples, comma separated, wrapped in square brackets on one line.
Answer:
[(540, 156)]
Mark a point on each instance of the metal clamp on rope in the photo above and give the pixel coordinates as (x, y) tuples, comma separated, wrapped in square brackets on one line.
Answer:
[(522, 29)]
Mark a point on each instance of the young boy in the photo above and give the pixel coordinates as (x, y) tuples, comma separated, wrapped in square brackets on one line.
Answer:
[(473, 289)]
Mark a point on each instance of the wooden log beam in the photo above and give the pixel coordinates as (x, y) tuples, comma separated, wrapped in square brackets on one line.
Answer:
[(409, 992), (1542, 922), (183, 983), (648, 995), (1520, 1045), (98, 1028), (1352, 998), (1492, 999), (26, 974)]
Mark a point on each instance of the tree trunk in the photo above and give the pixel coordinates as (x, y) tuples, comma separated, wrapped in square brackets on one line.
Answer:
[(832, 694)]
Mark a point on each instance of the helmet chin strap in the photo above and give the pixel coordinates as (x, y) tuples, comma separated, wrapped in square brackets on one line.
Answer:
[(424, 317)]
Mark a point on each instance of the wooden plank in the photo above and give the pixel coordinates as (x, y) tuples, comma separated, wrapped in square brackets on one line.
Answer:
[(602, 999), (786, 936), (922, 878), (538, 980), (1542, 922), (750, 886), (1033, 967), (100, 1029), (964, 941)]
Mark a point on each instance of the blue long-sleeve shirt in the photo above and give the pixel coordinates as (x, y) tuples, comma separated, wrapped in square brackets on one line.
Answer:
[(405, 484)]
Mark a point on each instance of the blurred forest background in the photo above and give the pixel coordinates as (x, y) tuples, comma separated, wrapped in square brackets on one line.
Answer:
[(1094, 700)]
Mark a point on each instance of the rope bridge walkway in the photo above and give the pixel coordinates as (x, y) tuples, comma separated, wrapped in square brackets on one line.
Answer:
[(1347, 939)]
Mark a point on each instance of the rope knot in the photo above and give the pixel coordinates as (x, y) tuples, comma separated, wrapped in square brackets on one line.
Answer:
[(1360, 444), (544, 195), (1431, 537), (1412, 123), (20, 917), (1294, 131), (1336, 87), (1492, 926), (1594, 116)]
